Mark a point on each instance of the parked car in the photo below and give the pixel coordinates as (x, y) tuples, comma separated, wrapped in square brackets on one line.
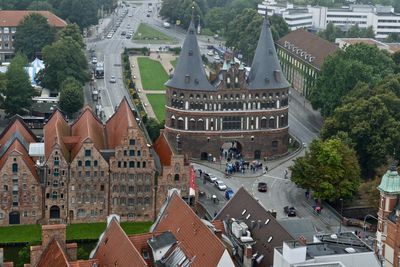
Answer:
[(220, 185), (262, 187), (290, 211), (210, 53), (109, 36), (123, 33), (216, 57), (148, 15), (113, 79), (94, 60), (228, 193), (210, 177)]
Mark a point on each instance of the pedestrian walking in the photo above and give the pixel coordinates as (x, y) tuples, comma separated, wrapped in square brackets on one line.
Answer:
[(286, 173), (266, 169)]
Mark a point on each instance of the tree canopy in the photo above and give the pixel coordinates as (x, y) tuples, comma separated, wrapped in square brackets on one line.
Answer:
[(332, 32), (33, 33), (72, 30), (330, 169), (343, 70), (71, 96), (370, 117), (62, 59), (174, 10), (18, 91), (83, 13)]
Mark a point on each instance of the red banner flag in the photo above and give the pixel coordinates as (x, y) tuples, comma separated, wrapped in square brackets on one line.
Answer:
[(192, 182)]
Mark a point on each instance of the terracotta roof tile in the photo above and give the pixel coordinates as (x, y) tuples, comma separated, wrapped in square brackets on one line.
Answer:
[(163, 150), (87, 126), (84, 263), (243, 201), (17, 125), (140, 243), (54, 131), (198, 242), (8, 264), (219, 225), (311, 44), (17, 146), (53, 256), (116, 249), (11, 18), (119, 123)]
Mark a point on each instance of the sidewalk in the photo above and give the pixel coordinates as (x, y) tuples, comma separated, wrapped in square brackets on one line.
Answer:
[(219, 166)]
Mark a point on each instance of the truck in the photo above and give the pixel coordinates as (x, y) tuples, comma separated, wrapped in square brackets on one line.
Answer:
[(166, 25), (99, 71)]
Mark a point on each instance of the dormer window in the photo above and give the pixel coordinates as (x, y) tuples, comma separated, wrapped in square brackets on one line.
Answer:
[(228, 80), (187, 79)]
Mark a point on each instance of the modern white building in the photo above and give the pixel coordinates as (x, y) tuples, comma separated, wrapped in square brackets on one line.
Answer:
[(382, 18), (336, 250)]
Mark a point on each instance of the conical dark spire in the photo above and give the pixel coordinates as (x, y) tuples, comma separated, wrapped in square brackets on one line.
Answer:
[(189, 72), (266, 72)]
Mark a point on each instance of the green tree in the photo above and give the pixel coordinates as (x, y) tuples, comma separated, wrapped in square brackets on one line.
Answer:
[(354, 32), (393, 37), (83, 13), (174, 10), (216, 19), (72, 30), (330, 33), (62, 59), (153, 128), (18, 92), (396, 60), (370, 117), (343, 70), (33, 33), (71, 96), (40, 5), (367, 32), (330, 169), (279, 27)]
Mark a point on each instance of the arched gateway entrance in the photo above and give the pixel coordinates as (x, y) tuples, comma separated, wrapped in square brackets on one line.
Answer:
[(231, 150)]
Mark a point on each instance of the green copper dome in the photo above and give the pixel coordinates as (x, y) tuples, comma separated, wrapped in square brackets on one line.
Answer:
[(390, 182)]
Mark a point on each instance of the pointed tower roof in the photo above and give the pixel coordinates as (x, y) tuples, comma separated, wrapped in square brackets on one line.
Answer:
[(265, 70), (189, 72)]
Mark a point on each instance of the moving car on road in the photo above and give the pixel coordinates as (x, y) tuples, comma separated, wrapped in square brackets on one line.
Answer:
[(113, 79), (210, 177), (290, 211), (262, 187), (220, 185)]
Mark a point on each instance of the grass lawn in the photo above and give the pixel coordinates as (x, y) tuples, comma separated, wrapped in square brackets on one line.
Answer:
[(152, 74), (32, 233), (174, 62), (147, 34), (157, 102)]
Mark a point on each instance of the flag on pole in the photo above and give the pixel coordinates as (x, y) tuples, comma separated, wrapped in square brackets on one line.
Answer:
[(192, 182)]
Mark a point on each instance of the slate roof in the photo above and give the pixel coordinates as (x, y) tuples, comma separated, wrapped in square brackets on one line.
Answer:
[(17, 125), (390, 182), (115, 249), (310, 43), (242, 206), (11, 18), (87, 126), (196, 240), (189, 72), (265, 70)]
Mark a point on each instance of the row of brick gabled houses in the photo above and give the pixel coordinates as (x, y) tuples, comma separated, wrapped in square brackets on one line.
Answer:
[(84, 171)]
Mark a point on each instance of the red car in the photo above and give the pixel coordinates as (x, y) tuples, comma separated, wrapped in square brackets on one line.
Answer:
[(262, 187)]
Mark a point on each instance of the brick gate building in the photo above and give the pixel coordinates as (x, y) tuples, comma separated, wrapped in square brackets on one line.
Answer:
[(248, 114)]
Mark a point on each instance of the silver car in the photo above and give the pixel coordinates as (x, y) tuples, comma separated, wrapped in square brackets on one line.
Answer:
[(220, 185)]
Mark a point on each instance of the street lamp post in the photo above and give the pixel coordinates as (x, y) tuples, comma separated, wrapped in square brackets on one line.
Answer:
[(341, 215), (365, 218)]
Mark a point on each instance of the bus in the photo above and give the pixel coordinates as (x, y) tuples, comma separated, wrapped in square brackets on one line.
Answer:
[(99, 71)]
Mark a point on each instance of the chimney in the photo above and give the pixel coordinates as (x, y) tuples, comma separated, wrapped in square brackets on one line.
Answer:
[(55, 231), (302, 240), (248, 256), (218, 233), (259, 224), (277, 75), (273, 213)]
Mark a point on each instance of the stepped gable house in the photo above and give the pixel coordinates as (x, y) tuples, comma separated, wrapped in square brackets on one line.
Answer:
[(247, 115)]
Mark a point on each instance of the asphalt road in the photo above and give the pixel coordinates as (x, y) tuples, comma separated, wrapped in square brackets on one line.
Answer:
[(304, 124)]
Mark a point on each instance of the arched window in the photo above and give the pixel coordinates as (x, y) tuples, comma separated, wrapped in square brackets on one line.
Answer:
[(192, 124), (172, 122), (200, 125), (263, 123), (180, 123), (271, 122), (54, 195)]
